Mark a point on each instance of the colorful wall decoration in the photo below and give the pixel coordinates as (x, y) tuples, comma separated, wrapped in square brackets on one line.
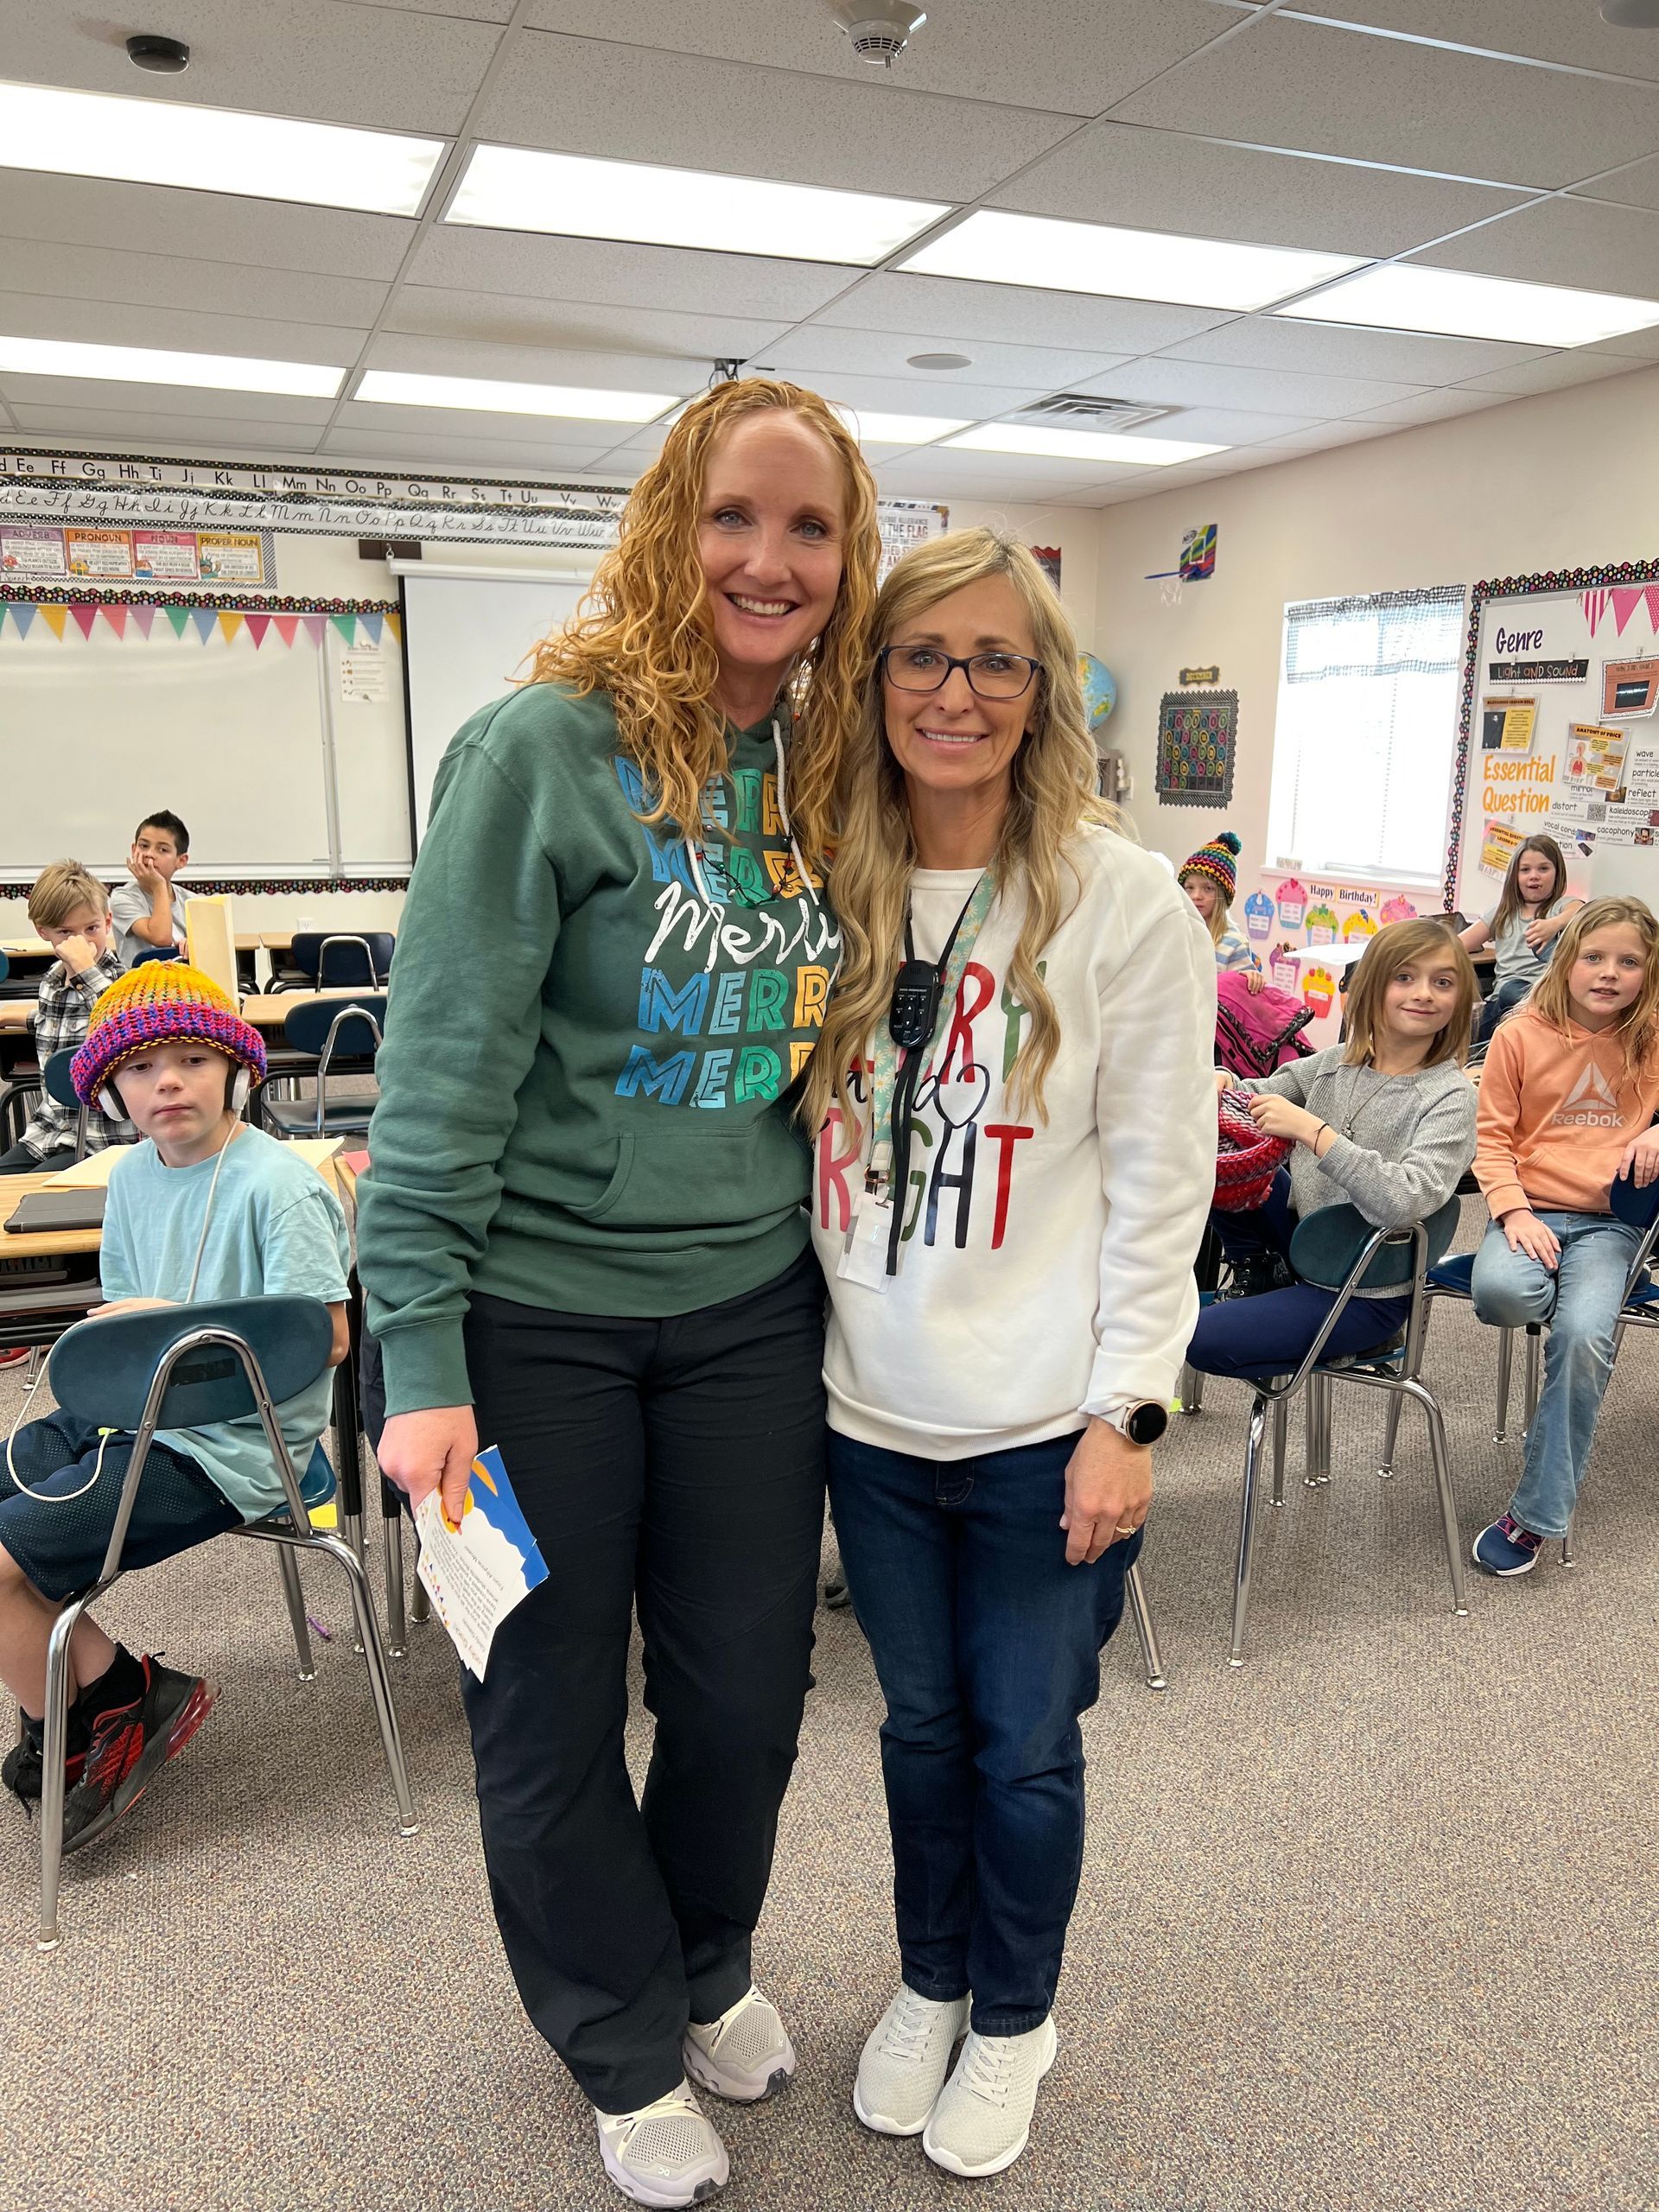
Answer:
[(1284, 916), (202, 615), (39, 554), (1197, 732)]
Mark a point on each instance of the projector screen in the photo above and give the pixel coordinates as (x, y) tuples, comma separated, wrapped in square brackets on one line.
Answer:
[(466, 638)]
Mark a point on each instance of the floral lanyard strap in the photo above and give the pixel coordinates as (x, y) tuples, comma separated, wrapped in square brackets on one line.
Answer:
[(921, 993)]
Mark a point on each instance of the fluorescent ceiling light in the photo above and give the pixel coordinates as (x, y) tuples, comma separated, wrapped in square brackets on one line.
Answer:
[(997, 249), (214, 150), (1084, 445), (63, 357), (575, 402), (508, 188), (1452, 303), (873, 429)]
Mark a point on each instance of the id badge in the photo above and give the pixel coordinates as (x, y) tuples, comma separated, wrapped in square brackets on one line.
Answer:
[(864, 1255)]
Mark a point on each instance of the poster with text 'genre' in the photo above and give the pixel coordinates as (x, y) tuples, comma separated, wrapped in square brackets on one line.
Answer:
[(1595, 757), (1628, 688), (1507, 725), (477, 1572)]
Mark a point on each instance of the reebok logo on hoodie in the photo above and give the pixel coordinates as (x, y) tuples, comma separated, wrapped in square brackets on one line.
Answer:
[(1592, 1105)]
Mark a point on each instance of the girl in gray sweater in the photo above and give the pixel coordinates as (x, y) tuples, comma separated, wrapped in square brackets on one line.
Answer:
[(1384, 1122)]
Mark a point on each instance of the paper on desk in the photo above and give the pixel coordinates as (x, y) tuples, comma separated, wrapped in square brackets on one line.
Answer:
[(93, 1172), (477, 1574)]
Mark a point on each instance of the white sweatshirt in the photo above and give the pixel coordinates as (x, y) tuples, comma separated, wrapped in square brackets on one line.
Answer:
[(1046, 1271)]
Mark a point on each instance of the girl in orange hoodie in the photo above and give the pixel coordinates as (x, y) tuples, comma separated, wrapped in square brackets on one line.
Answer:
[(1567, 1098)]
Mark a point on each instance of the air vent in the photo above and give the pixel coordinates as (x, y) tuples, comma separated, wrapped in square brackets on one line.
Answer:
[(1089, 410)]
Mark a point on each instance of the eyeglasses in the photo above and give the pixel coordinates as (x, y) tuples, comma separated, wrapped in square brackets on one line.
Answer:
[(924, 668)]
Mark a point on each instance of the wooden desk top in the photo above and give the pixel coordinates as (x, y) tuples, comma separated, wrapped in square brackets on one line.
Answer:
[(271, 1011), (95, 1170), (16, 1013), (26, 947)]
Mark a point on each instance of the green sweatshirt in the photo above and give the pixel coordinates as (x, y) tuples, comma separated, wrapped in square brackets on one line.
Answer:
[(583, 1059)]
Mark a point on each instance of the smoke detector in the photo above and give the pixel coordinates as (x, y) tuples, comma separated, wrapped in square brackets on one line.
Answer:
[(880, 29), (1632, 14)]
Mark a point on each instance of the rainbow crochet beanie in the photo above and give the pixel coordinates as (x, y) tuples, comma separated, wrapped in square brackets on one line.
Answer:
[(1219, 860), (152, 1004)]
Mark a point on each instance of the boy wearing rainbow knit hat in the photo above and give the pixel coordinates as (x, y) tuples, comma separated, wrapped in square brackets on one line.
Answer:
[(203, 1208)]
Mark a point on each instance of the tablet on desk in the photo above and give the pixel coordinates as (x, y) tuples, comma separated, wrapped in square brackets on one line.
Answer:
[(39, 1213)]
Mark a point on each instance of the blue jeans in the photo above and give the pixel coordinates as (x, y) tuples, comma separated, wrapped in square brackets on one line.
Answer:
[(1501, 1003), (987, 1645), (1580, 1300)]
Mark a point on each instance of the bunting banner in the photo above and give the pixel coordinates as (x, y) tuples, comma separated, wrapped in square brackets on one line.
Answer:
[(1622, 601), (195, 621)]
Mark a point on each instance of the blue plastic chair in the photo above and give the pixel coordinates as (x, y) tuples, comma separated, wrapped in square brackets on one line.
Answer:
[(326, 1031), (58, 1084), (188, 1366), (156, 952), (335, 959), (1336, 1249)]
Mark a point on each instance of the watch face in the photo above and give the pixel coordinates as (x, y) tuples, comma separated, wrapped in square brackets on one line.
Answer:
[(1146, 1424)]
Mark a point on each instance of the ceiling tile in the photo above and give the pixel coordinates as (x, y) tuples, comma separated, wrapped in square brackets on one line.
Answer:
[(460, 450), (920, 395), (1329, 91), (1270, 342), (210, 226), (1635, 185), (958, 311), (481, 11), (48, 394), (1072, 56), (511, 319), (463, 357), (1226, 426), (1543, 29), (620, 101), (1633, 345), (312, 58), (160, 280), (823, 349), (1266, 392), (1433, 406), (1164, 179), (118, 322), (1352, 432), (399, 425), (1577, 242), (1556, 373), (601, 272), (193, 436)]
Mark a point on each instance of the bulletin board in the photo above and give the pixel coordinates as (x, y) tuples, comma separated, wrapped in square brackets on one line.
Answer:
[(1558, 732)]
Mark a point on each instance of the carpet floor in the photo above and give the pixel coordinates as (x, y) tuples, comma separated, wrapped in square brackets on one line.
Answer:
[(1368, 1925)]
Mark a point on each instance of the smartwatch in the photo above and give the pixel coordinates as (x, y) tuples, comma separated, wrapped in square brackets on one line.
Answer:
[(1142, 1421)]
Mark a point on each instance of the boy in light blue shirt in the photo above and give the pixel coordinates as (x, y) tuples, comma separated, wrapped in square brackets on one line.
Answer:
[(204, 1209)]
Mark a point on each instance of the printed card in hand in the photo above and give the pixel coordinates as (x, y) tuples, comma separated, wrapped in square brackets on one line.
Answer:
[(476, 1574)]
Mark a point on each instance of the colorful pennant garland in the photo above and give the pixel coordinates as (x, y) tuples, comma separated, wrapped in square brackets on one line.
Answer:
[(207, 615)]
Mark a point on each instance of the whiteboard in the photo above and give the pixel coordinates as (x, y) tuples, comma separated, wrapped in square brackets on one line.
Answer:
[(1567, 661), (248, 743), (465, 638)]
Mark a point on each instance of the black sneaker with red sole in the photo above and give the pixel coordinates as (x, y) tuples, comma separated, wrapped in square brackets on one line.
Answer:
[(129, 1746), (24, 1769)]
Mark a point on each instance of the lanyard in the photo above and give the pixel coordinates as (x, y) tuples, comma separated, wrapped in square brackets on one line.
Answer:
[(893, 1083)]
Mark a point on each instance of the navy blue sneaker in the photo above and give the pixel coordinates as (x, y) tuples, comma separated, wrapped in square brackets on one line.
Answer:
[(1507, 1548)]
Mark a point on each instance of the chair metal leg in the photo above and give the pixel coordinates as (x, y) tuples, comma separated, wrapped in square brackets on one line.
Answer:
[(1246, 1528), (1448, 1503), (1317, 1470), (1190, 1390), (54, 1750), (374, 1657), (295, 1596), (34, 1372), (1281, 1430), (1505, 1360), (1390, 1434), (396, 1626), (1535, 1344), (1567, 1559), (1152, 1657), (419, 1604)]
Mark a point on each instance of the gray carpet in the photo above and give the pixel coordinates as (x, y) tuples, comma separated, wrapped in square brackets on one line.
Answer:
[(1368, 1925)]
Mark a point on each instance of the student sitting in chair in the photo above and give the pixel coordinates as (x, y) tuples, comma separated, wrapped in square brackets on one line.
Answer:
[(148, 912), (1384, 1122), (205, 1209), (70, 910)]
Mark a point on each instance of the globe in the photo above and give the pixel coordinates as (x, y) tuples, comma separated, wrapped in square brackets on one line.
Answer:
[(1099, 691)]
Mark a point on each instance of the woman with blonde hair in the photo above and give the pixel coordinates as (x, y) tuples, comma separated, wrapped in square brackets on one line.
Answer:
[(583, 1241), (1015, 1150)]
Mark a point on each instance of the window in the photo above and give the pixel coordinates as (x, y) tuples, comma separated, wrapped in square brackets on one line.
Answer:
[(1367, 735)]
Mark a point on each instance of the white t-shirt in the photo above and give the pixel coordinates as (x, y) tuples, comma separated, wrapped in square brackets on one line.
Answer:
[(130, 904), (1046, 1269)]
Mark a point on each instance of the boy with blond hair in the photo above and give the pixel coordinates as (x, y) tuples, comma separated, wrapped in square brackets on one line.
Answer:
[(70, 909)]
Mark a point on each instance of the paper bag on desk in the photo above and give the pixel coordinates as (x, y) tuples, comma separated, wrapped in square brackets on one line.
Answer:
[(477, 1574)]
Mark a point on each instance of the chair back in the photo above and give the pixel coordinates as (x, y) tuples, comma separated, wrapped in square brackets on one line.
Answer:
[(101, 1371), (343, 960), (156, 952), (1637, 1209), (342, 1031), (1327, 1244), (55, 1079), (5, 967)]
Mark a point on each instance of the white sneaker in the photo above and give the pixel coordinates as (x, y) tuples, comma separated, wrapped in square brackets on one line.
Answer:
[(904, 2060), (744, 2054), (663, 2154), (982, 2120)]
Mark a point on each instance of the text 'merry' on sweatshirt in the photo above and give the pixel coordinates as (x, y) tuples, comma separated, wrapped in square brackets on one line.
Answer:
[(584, 1059)]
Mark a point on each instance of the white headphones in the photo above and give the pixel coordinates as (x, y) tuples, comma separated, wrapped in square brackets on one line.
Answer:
[(108, 1097)]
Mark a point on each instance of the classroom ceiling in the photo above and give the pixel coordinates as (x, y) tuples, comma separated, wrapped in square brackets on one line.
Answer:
[(1513, 138)]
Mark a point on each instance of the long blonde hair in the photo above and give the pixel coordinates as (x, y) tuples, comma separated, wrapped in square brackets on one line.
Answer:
[(1638, 1032), (1055, 775), (1219, 919), (643, 631), (1388, 952)]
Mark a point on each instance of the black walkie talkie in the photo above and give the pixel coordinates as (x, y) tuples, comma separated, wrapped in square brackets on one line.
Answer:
[(914, 1007)]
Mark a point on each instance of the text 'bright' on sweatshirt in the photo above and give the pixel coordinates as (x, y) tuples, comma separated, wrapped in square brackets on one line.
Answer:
[(1046, 1266), (1556, 1114), (584, 1054)]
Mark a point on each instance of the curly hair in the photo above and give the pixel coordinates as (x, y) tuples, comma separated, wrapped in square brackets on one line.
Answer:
[(643, 632)]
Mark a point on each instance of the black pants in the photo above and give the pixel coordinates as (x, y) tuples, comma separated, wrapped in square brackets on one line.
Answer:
[(676, 1467)]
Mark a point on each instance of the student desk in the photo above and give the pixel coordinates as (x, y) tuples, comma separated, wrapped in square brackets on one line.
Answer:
[(268, 1011)]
